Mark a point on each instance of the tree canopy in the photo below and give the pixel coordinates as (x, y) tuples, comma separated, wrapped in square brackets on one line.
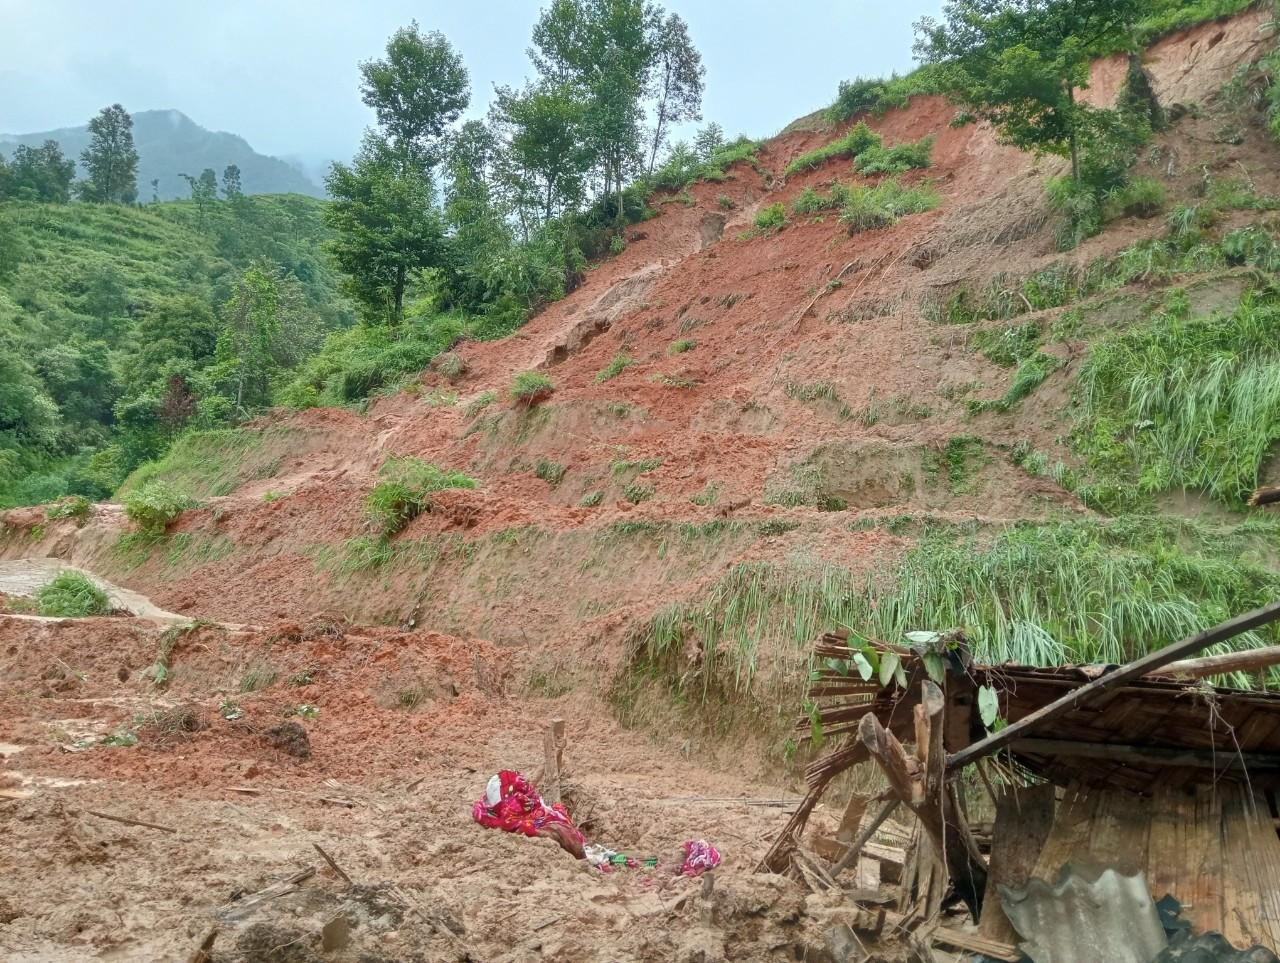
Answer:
[(110, 159), (1019, 63)]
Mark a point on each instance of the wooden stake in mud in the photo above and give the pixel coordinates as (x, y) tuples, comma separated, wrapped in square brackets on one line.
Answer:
[(553, 746), (921, 784)]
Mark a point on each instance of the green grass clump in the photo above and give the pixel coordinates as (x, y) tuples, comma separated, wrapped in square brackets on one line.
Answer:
[(879, 94), (1076, 592), (406, 492), (1140, 197), (620, 363), (154, 506), (808, 201), (77, 507), (709, 495), (859, 138), (530, 387), (551, 472), (451, 365), (1168, 16), (479, 403), (1031, 373), (813, 391), (636, 493), (72, 595), (592, 499), (1183, 403), (1007, 346), (639, 467), (681, 346), (868, 208), (897, 159), (771, 217)]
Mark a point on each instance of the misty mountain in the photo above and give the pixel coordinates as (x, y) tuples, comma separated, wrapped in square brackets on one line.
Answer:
[(169, 144)]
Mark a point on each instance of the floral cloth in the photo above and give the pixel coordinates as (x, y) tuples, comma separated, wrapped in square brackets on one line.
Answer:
[(699, 856), (511, 804)]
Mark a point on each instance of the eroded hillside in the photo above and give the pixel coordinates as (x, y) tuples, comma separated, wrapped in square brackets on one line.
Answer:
[(753, 433)]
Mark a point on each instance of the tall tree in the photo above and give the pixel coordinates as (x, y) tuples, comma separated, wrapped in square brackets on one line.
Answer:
[(388, 228), (478, 231), (110, 158), (604, 49), (267, 329), (204, 191), (231, 182), (1019, 64), (41, 173), (546, 158), (707, 140), (416, 91), (677, 81)]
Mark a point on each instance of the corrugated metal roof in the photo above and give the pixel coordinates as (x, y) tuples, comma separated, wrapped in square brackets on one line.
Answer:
[(1213, 948), (1110, 919)]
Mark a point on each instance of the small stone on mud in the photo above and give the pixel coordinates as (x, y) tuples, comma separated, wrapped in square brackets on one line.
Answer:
[(123, 673), (291, 738)]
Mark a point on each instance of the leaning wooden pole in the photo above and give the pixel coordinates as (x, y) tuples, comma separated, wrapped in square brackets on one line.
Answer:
[(921, 783), (1128, 673)]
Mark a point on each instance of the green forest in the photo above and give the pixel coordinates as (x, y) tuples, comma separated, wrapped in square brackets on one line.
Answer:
[(124, 325)]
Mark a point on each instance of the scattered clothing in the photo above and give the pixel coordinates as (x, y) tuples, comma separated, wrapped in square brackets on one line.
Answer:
[(699, 856), (511, 804), (607, 860)]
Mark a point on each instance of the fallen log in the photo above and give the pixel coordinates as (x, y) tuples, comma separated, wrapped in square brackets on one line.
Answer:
[(1250, 660)]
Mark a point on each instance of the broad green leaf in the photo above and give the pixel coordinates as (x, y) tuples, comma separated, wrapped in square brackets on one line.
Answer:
[(890, 666), (933, 665), (988, 705), (864, 666)]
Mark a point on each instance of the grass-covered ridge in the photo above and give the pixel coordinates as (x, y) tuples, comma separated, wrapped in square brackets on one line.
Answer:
[(1042, 594), (1182, 402)]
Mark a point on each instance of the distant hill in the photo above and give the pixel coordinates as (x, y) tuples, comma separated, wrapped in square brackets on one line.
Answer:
[(169, 144)]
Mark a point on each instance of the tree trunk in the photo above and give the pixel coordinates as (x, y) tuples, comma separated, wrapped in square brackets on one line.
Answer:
[(1075, 150), (398, 309), (657, 131)]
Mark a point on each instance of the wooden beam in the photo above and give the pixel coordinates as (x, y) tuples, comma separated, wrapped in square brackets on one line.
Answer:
[(863, 838), (1221, 760), (1249, 660), (1134, 670), (930, 796)]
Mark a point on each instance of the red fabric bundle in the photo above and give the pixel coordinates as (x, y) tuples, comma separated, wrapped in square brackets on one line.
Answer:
[(521, 810)]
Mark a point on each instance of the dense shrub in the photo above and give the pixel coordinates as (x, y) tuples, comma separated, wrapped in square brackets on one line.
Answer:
[(406, 492), (530, 387), (77, 507), (860, 138), (897, 159), (880, 206), (155, 505), (770, 217), (72, 595)]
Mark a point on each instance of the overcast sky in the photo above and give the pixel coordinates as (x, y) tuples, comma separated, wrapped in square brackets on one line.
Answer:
[(283, 73)]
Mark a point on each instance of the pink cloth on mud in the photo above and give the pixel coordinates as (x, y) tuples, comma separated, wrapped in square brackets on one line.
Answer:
[(519, 808), (699, 856)]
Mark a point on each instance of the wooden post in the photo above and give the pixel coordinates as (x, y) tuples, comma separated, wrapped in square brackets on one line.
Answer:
[(553, 744), (921, 784)]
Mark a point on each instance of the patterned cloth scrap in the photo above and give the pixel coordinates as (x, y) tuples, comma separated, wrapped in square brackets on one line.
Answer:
[(511, 804), (699, 856)]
